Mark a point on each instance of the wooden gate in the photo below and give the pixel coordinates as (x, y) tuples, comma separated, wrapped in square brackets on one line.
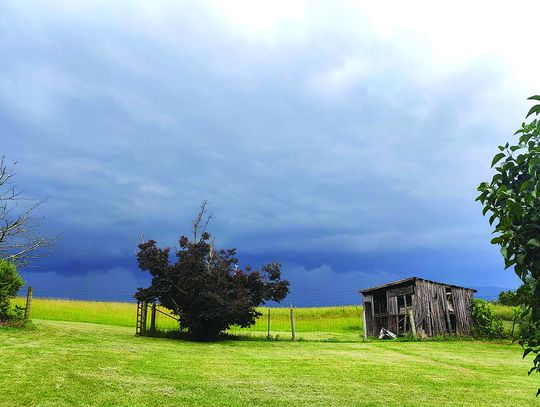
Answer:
[(141, 327), (142, 311)]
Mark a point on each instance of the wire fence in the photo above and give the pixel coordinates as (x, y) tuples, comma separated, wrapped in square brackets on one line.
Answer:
[(339, 323), (320, 323), (326, 323)]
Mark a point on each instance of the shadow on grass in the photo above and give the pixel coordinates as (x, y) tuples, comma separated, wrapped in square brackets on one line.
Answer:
[(224, 337), (17, 324), (227, 336)]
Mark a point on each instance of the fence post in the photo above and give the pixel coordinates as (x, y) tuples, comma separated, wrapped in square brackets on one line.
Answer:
[(364, 327), (138, 320), (413, 326), (153, 319), (292, 323), (268, 336), (28, 302), (144, 314)]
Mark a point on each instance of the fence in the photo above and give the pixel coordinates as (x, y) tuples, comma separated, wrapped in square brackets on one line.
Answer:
[(160, 319), (340, 323), (330, 323)]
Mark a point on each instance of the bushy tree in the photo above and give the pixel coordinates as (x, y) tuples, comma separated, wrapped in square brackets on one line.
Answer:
[(486, 323), (512, 198), (10, 283), (507, 298), (205, 287), (514, 298)]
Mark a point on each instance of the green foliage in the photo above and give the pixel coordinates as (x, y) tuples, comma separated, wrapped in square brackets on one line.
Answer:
[(508, 298), (10, 283), (205, 287), (512, 198), (486, 323), (514, 298)]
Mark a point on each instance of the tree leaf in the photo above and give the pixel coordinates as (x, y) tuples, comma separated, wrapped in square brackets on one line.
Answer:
[(534, 110), (524, 185), (497, 158), (535, 97), (533, 243)]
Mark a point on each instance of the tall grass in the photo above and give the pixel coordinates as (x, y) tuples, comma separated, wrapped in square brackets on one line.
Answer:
[(98, 312), (339, 322), (312, 320)]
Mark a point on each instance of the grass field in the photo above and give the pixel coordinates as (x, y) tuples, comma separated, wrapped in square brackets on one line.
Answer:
[(325, 323), (316, 323), (80, 364)]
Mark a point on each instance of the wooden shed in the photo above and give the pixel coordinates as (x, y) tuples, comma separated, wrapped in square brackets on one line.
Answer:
[(437, 308)]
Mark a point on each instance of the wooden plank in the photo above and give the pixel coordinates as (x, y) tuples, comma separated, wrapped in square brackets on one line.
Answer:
[(413, 325), (144, 314), (405, 320), (29, 295), (138, 319), (153, 319), (364, 326), (292, 324), (268, 336), (396, 292)]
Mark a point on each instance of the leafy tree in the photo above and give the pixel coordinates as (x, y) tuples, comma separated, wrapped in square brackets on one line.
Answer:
[(205, 287), (514, 298), (486, 323), (507, 298), (10, 283), (512, 198)]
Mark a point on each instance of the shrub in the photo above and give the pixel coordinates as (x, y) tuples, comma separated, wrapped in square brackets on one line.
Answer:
[(10, 283), (508, 298), (206, 287), (486, 323), (519, 296)]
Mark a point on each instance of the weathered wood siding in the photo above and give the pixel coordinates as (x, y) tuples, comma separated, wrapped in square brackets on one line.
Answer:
[(433, 314), (462, 307), (368, 299)]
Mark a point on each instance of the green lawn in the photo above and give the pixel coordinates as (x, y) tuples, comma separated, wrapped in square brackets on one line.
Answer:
[(81, 364)]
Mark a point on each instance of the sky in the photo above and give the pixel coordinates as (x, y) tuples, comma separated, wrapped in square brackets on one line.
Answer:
[(342, 139)]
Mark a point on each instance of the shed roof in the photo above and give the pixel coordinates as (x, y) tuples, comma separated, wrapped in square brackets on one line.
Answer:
[(406, 280)]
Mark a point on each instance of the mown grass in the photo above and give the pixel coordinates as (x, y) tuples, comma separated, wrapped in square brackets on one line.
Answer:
[(77, 364)]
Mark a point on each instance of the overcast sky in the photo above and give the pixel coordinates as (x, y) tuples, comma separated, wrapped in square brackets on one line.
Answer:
[(343, 139)]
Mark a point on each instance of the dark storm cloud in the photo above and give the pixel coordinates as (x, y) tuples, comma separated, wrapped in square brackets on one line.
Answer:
[(349, 153)]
